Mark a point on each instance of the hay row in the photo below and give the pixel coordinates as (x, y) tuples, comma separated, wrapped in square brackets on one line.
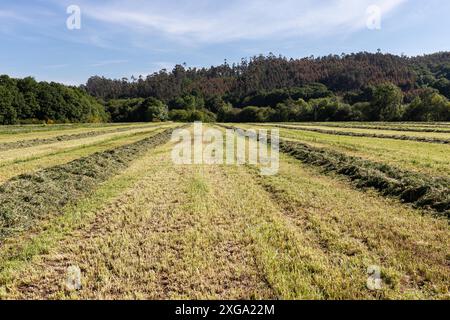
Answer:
[(67, 137), (31, 197), (423, 191), (418, 189), (379, 127), (369, 135)]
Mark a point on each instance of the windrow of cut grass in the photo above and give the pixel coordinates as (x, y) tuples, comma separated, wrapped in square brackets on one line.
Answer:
[(343, 231), (29, 197), (41, 128), (384, 126), (366, 134), (425, 158), (66, 137), (421, 190), (25, 154), (59, 157), (69, 130)]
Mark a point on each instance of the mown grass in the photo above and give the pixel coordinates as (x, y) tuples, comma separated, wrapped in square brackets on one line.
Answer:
[(35, 196), (32, 164), (427, 158), (171, 236), (423, 127), (441, 138), (341, 232), (41, 129), (419, 189), (16, 253), (226, 232), (64, 137), (380, 130), (24, 154), (410, 187), (8, 135)]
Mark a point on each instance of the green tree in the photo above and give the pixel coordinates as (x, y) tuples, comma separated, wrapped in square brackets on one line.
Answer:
[(443, 85), (387, 103), (8, 114)]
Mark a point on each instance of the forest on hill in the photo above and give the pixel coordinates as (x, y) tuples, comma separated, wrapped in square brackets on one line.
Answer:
[(353, 87)]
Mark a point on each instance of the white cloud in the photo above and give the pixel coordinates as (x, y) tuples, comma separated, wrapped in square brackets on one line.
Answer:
[(204, 21)]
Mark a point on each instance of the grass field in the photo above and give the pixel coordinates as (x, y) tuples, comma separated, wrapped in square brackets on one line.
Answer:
[(141, 227), (389, 126), (428, 158), (432, 137)]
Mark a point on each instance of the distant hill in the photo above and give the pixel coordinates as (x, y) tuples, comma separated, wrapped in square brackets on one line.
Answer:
[(340, 74)]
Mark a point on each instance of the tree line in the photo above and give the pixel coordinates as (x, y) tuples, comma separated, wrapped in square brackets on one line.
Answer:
[(383, 102), (28, 101), (355, 87)]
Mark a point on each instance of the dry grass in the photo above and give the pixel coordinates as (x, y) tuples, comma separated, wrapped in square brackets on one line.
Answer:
[(171, 236), (227, 232), (410, 187), (30, 197), (405, 127), (344, 231), (16, 253), (24, 154)]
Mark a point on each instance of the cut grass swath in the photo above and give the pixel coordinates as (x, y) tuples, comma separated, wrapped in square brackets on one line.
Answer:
[(418, 189), (368, 135), (381, 127), (66, 137), (421, 190), (29, 197)]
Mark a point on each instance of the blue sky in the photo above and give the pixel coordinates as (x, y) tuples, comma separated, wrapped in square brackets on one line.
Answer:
[(136, 37)]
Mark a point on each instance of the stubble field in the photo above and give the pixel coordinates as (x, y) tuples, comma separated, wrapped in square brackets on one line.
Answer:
[(108, 199)]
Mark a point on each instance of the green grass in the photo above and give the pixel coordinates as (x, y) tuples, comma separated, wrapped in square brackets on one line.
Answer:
[(9, 135), (64, 137), (369, 132), (427, 158), (342, 231), (63, 152), (18, 252), (409, 187), (443, 127)]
